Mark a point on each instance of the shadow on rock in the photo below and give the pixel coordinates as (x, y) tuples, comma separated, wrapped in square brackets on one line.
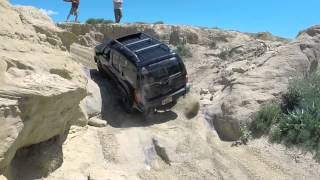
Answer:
[(113, 113), (37, 161)]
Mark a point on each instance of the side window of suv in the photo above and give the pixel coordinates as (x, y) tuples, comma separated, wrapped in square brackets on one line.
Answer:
[(115, 60), (124, 67), (106, 53), (129, 71)]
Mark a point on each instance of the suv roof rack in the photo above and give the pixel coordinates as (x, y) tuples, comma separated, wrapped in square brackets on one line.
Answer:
[(146, 48), (136, 44), (127, 49)]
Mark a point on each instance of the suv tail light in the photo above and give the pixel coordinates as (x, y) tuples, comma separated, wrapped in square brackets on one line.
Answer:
[(137, 97)]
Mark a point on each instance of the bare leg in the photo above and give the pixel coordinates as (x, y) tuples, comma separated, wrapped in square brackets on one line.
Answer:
[(115, 16), (76, 18), (68, 17), (120, 15)]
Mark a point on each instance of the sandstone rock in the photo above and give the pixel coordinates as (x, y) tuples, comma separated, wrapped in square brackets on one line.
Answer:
[(96, 122), (238, 67), (161, 151), (267, 36), (40, 86), (167, 33), (220, 117), (92, 104), (264, 83), (32, 16), (67, 38), (83, 55), (204, 91), (310, 32)]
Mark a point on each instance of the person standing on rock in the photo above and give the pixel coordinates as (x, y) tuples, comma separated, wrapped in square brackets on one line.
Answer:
[(74, 9), (117, 10)]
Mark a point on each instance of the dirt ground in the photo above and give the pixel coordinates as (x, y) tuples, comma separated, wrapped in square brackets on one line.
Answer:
[(125, 149), (168, 146)]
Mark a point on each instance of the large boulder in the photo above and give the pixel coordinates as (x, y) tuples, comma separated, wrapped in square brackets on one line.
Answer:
[(92, 104), (40, 85)]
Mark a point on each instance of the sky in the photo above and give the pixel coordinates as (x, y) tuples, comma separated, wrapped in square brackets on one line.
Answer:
[(281, 17)]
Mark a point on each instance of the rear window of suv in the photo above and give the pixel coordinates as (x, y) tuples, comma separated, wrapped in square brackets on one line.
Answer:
[(163, 69)]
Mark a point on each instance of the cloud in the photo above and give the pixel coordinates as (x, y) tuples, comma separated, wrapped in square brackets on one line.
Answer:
[(48, 12)]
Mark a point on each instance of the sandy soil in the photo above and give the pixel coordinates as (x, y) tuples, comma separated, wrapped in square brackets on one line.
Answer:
[(169, 146), (125, 150)]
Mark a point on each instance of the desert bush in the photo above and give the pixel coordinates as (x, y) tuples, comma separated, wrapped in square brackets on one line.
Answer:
[(213, 45), (140, 22), (183, 51), (218, 38), (298, 123), (158, 22), (94, 21), (224, 55), (291, 99), (264, 119)]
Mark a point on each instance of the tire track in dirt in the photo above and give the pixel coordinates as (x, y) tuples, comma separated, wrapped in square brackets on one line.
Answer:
[(249, 163)]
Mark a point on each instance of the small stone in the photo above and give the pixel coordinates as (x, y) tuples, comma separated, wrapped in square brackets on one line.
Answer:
[(2, 177), (96, 122), (239, 70), (204, 91)]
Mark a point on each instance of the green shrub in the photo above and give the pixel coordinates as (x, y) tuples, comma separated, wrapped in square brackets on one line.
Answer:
[(300, 127), (183, 51), (224, 55), (94, 21), (158, 22), (140, 22), (264, 119), (218, 38), (299, 121), (291, 99), (213, 45)]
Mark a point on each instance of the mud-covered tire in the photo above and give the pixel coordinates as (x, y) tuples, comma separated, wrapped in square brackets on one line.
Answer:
[(127, 104), (100, 69)]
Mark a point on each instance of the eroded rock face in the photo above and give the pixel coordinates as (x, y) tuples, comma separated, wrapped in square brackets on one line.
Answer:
[(265, 81), (40, 85), (310, 32), (241, 71), (89, 35)]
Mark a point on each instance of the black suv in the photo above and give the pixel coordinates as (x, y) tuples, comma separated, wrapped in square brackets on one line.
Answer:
[(148, 74)]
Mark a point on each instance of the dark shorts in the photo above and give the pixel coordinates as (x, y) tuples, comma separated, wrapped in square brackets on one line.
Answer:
[(74, 8), (118, 15)]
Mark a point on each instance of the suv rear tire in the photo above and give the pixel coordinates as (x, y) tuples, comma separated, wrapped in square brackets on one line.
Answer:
[(99, 65), (101, 70), (127, 104)]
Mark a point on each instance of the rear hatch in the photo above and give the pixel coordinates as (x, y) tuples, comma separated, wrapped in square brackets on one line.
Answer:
[(163, 78)]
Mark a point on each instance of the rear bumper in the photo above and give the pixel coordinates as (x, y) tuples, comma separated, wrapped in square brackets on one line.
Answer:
[(157, 103)]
